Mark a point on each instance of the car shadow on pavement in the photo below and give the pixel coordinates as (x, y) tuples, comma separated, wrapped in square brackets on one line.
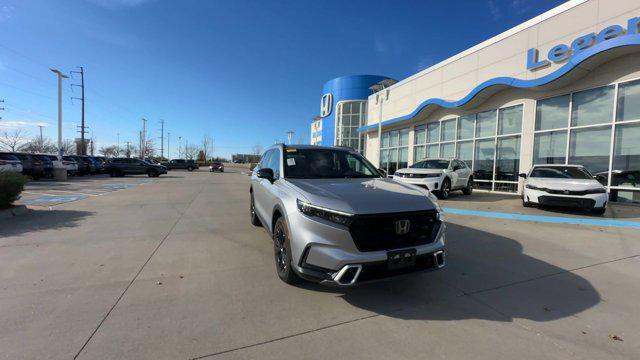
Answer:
[(39, 220), (487, 277)]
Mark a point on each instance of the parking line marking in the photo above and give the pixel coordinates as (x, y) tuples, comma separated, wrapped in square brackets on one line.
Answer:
[(74, 192), (546, 219), (54, 199)]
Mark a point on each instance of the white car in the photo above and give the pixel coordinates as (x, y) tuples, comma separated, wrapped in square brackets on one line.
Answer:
[(70, 164), (9, 162), (440, 176), (564, 185)]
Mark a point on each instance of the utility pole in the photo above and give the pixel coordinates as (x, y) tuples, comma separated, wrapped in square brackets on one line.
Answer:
[(41, 138), (289, 136), (143, 148), (179, 147), (83, 147), (60, 77), (118, 144), (168, 146), (128, 151), (161, 139)]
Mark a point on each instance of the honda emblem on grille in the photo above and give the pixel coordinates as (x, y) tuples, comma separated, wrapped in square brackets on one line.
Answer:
[(402, 226)]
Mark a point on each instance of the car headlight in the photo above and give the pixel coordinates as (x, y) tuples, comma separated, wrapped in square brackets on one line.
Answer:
[(596, 191), (533, 187), (338, 217)]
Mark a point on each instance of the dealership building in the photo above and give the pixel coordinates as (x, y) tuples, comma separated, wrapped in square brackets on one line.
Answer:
[(561, 88)]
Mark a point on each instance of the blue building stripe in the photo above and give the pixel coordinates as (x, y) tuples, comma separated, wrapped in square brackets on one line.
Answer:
[(573, 63), (545, 219)]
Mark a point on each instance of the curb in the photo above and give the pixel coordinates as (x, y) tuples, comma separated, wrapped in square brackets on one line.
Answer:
[(16, 210)]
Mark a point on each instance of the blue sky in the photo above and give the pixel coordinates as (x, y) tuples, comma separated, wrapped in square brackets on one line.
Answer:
[(243, 72)]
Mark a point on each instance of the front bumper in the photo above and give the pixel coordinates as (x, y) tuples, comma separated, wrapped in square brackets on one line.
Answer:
[(431, 183), (327, 254), (587, 202)]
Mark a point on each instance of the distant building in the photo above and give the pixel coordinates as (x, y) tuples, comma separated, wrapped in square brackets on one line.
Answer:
[(245, 158)]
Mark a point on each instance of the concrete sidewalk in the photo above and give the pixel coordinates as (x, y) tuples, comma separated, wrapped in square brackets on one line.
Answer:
[(174, 270)]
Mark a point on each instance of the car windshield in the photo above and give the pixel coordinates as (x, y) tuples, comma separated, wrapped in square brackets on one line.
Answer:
[(326, 164), (431, 164), (561, 172)]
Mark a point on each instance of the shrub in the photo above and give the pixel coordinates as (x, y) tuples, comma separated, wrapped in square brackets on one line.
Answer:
[(11, 185), (252, 166)]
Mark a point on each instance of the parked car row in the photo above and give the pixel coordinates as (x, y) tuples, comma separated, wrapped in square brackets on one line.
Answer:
[(41, 165), (544, 185)]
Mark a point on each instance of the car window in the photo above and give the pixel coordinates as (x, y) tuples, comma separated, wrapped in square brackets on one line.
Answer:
[(265, 160), (326, 163), (560, 172), (274, 163), (7, 157), (431, 164)]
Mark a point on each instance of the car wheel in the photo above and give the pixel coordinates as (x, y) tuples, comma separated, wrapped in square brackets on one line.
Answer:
[(152, 173), (443, 194), (469, 189), (255, 220), (113, 173), (190, 168), (282, 252), (599, 211), (525, 203)]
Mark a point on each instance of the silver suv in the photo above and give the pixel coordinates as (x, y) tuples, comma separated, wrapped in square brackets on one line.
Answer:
[(335, 220)]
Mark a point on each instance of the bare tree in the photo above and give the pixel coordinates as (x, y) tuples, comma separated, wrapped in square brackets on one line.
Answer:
[(39, 145), (108, 151), (207, 143), (68, 147), (190, 152), (149, 149), (12, 140), (257, 149)]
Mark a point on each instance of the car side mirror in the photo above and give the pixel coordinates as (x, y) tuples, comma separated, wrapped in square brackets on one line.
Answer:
[(382, 172), (523, 175), (266, 173)]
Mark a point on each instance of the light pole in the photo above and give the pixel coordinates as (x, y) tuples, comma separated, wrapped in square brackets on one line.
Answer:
[(168, 146), (179, 147), (289, 136), (60, 77)]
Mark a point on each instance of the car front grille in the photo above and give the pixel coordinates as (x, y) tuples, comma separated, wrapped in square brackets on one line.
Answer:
[(416, 176), (378, 232), (567, 192), (584, 203)]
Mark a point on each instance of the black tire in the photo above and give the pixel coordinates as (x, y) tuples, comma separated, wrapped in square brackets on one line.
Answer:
[(153, 173), (255, 220), (599, 211), (469, 189), (525, 203), (445, 189), (190, 168), (113, 173), (282, 252)]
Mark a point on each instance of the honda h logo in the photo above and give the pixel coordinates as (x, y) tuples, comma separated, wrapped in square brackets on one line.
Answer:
[(402, 226), (325, 105)]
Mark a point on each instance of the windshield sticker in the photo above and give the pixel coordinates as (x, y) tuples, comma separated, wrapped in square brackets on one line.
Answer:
[(291, 162)]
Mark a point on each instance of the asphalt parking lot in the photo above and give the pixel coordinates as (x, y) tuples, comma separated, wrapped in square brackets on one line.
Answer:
[(172, 269)]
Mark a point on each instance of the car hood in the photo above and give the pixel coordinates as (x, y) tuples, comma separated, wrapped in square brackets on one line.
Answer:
[(565, 184), (420, 171), (363, 196)]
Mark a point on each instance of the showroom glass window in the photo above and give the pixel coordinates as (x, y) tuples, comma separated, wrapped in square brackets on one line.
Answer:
[(488, 142), (394, 150), (593, 118), (350, 115)]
